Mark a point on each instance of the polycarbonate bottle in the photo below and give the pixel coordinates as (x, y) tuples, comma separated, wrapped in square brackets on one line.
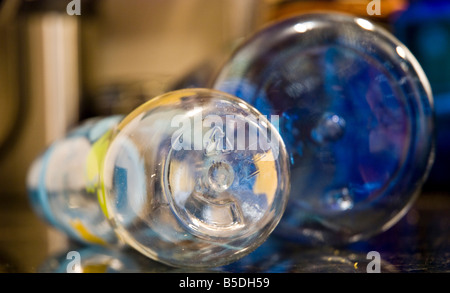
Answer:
[(192, 178), (356, 114)]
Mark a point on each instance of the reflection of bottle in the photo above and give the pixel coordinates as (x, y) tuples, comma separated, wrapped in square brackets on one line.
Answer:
[(356, 115), (99, 259), (189, 178), (278, 256)]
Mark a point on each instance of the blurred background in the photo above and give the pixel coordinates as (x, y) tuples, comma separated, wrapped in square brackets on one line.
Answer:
[(58, 69)]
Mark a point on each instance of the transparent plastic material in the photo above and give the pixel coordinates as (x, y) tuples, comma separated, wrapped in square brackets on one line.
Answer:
[(192, 178), (356, 114), (62, 182)]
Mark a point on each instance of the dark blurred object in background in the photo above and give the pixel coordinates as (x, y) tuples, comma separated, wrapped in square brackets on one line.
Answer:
[(137, 49), (41, 80), (11, 123), (39, 102), (424, 27)]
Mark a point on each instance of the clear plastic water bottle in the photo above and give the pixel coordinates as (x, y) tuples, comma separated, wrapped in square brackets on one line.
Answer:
[(62, 183), (192, 178), (356, 114)]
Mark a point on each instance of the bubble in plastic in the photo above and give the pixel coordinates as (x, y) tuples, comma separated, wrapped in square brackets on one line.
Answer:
[(356, 114), (192, 178)]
